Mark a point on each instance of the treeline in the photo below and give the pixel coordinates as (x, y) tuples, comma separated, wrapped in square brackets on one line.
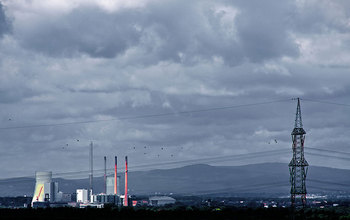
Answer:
[(178, 213), (14, 201)]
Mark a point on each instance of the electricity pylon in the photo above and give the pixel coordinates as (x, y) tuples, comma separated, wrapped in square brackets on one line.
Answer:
[(298, 166)]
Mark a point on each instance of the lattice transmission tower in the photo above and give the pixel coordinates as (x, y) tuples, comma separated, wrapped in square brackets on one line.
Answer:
[(298, 166)]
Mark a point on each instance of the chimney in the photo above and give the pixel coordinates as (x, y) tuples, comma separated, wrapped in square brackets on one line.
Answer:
[(105, 176), (91, 170), (126, 182), (115, 175)]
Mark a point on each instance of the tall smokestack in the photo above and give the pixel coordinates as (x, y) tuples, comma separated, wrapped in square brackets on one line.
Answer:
[(126, 182), (91, 170), (115, 175), (105, 176)]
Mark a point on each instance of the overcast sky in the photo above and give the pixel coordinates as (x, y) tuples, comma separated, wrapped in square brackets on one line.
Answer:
[(81, 60)]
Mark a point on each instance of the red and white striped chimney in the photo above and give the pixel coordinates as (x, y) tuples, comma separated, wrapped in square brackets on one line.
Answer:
[(115, 175), (126, 182)]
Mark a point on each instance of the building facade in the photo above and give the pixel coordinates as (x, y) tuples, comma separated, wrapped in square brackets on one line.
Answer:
[(110, 185), (82, 196)]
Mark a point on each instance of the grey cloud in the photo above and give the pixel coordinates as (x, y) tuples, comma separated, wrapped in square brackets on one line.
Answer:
[(186, 35), (322, 16), (263, 29), (12, 96), (177, 31), (5, 25), (85, 30), (183, 32)]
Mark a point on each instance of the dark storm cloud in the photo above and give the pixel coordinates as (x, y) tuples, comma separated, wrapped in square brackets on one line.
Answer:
[(4, 21), (263, 28), (84, 30), (177, 31)]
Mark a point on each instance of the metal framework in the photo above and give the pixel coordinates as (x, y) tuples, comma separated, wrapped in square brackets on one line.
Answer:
[(91, 176), (298, 166), (105, 175)]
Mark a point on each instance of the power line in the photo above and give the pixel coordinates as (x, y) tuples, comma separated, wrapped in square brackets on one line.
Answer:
[(325, 102), (247, 188), (327, 151), (165, 114), (328, 156), (325, 189), (327, 182), (183, 162), (237, 157), (144, 116)]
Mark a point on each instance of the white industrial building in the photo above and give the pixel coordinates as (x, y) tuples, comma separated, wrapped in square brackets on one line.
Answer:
[(82, 196)]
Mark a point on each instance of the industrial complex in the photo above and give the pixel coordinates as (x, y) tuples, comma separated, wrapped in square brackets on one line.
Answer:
[(47, 194)]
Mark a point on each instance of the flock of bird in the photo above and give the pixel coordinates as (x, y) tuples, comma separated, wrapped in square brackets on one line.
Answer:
[(274, 141), (160, 149), (145, 147), (134, 148)]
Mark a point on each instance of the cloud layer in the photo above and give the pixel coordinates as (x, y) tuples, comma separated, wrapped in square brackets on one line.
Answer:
[(4, 22), (66, 61)]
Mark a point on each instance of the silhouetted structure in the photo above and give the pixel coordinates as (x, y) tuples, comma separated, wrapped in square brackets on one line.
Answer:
[(126, 182), (105, 175), (298, 166), (91, 170)]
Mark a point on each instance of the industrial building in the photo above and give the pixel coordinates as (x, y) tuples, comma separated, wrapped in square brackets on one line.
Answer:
[(161, 200), (110, 185), (103, 199), (82, 196), (45, 190)]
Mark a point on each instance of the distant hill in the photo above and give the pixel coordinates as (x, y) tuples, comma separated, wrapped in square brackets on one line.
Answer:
[(255, 179)]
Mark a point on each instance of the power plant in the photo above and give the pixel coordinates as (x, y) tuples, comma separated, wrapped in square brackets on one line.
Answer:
[(46, 191)]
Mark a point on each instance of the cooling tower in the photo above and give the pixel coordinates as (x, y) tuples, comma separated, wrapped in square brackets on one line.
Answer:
[(42, 180)]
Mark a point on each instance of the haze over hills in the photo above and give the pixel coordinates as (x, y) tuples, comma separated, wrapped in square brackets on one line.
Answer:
[(255, 179)]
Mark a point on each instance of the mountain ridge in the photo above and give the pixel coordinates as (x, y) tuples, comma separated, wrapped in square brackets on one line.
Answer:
[(204, 179)]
